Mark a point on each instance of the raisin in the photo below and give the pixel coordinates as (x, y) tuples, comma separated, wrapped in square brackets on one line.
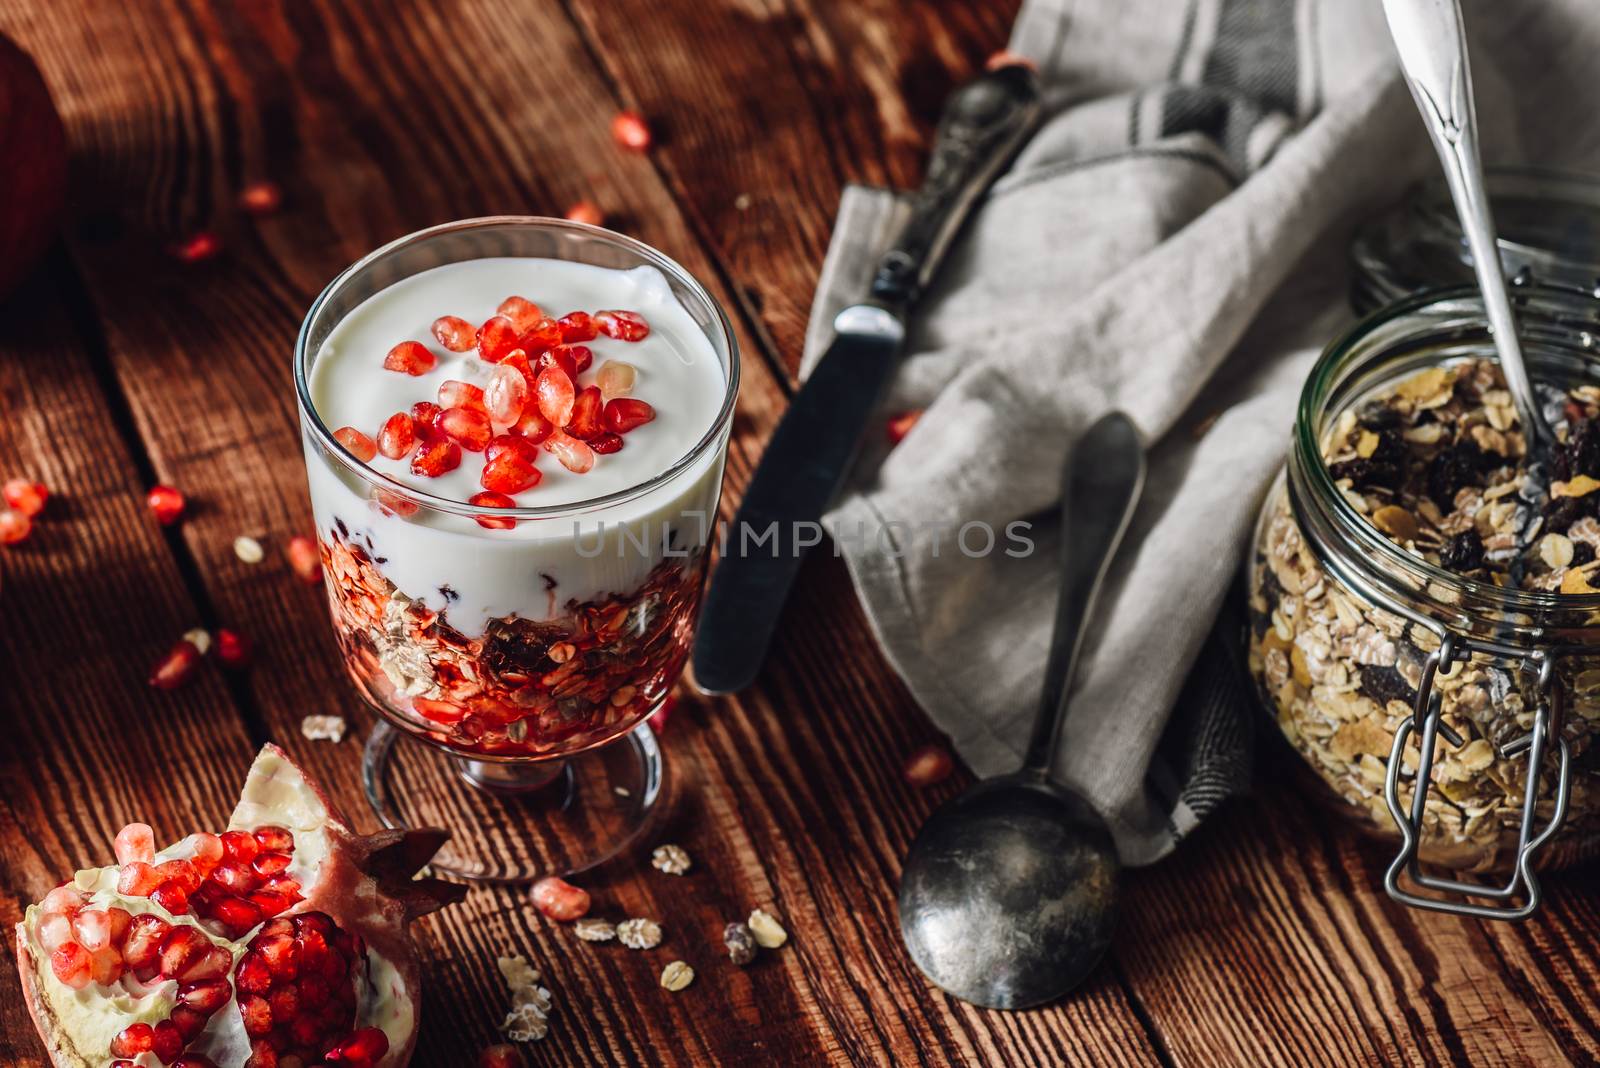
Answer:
[(1463, 553), (1582, 553), (1452, 470), (1385, 684), (1561, 512), (1580, 453), (1376, 415), (1366, 474)]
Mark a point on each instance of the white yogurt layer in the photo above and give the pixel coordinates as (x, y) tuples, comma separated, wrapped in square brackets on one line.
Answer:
[(495, 573)]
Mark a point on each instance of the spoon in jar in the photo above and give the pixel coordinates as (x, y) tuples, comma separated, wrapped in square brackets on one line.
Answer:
[(1433, 55), (1008, 894)]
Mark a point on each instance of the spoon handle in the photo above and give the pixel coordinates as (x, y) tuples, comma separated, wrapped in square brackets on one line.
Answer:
[(1432, 46), (1101, 485)]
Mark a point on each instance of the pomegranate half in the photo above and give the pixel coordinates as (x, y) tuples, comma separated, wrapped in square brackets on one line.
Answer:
[(280, 943)]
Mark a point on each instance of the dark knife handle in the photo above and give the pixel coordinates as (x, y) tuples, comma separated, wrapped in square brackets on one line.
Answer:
[(984, 124)]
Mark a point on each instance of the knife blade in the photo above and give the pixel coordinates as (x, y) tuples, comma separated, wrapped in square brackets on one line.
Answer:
[(810, 453)]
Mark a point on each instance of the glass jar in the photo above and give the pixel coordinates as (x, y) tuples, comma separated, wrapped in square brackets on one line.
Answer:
[(1383, 670)]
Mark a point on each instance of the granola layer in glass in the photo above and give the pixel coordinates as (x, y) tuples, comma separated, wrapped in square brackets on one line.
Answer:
[(527, 687)]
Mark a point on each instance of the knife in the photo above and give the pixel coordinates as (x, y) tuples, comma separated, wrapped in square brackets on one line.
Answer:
[(984, 124)]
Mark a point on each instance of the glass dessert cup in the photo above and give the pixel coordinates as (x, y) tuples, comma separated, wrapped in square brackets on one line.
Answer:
[(535, 747)]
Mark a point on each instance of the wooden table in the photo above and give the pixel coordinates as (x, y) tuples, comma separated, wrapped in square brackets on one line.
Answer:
[(1267, 940)]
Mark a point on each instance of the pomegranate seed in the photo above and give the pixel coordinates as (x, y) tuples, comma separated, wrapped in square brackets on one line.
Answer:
[(533, 427), (207, 848), (207, 995), (410, 358), (504, 1055), (208, 962), (179, 873), (233, 648), (658, 718), (581, 355), (559, 899), (929, 765), (235, 877), (437, 457), (269, 864), (509, 472), (26, 497), (133, 1040), (457, 394), (240, 847), (361, 447), (304, 559), (174, 669), (506, 395), (502, 442), (260, 198), (522, 312), (496, 337), (622, 325), (542, 335), (397, 437), (198, 247), (423, 414), (490, 499), (518, 359), (54, 930), (625, 413), (467, 427), (120, 920), (169, 1042), (105, 965), (171, 898), (630, 130), (14, 527), (70, 962), (257, 1014), (166, 503), (586, 211), (615, 379), (454, 333), (578, 326), (574, 455), (561, 359), (145, 934), (137, 879), (91, 929), (182, 946), (605, 444), (900, 425), (555, 395), (361, 1049), (236, 914), (585, 423), (445, 712), (270, 903), (63, 899), (390, 503), (134, 842), (274, 839)]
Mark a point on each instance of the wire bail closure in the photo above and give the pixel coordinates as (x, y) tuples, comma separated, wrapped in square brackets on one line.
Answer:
[(1547, 721)]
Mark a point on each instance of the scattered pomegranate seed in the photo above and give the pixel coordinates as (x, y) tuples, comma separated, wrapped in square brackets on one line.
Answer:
[(436, 457), (658, 718), (559, 899), (397, 437), (533, 426), (509, 472), (490, 499), (586, 423), (556, 395), (559, 358), (929, 765), (454, 333), (392, 503), (502, 442), (174, 669), (26, 497), (136, 841), (504, 1055), (496, 337), (625, 413), (574, 455), (444, 712), (578, 326), (457, 394), (544, 334), (522, 312), (410, 358), (1004, 58), (14, 527), (630, 130), (233, 648), (582, 356), (900, 425), (506, 395), (615, 379), (622, 325), (167, 504), (361, 447), (586, 211), (304, 559), (261, 198), (467, 427), (424, 414), (197, 247), (606, 444), (518, 361)]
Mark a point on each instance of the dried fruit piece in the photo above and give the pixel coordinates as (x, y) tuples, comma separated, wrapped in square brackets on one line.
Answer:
[(174, 669), (522, 312), (165, 503), (672, 859), (622, 325), (14, 527), (929, 765), (615, 379), (559, 899), (900, 425), (506, 395), (361, 447), (741, 943), (572, 454), (769, 933), (398, 436), (410, 358), (586, 211), (436, 457), (578, 326), (457, 394), (639, 933), (233, 648), (677, 975), (587, 409), (629, 129), (304, 559), (496, 338), (260, 198), (197, 247), (454, 333), (467, 427), (556, 395), (627, 413), (595, 930), (26, 497), (493, 500)]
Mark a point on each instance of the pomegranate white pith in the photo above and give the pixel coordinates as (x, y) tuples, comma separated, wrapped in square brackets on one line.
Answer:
[(364, 887)]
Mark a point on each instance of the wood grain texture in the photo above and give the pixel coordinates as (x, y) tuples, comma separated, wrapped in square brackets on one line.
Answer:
[(1266, 941)]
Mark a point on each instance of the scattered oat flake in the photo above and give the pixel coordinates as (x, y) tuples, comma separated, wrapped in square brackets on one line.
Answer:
[(248, 549), (677, 975), (622, 791), (595, 930), (639, 933), (528, 1020), (768, 931), (200, 638), (323, 728), (672, 859)]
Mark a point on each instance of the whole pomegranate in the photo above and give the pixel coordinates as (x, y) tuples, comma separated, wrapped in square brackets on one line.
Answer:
[(280, 943), (33, 181)]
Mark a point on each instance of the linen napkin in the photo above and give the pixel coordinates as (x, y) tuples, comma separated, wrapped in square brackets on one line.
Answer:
[(1171, 243)]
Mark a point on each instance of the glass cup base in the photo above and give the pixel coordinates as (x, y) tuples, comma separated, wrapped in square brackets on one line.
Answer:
[(518, 822)]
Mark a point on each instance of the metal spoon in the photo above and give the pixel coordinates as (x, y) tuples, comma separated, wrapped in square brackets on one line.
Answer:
[(1433, 54), (1008, 894)]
